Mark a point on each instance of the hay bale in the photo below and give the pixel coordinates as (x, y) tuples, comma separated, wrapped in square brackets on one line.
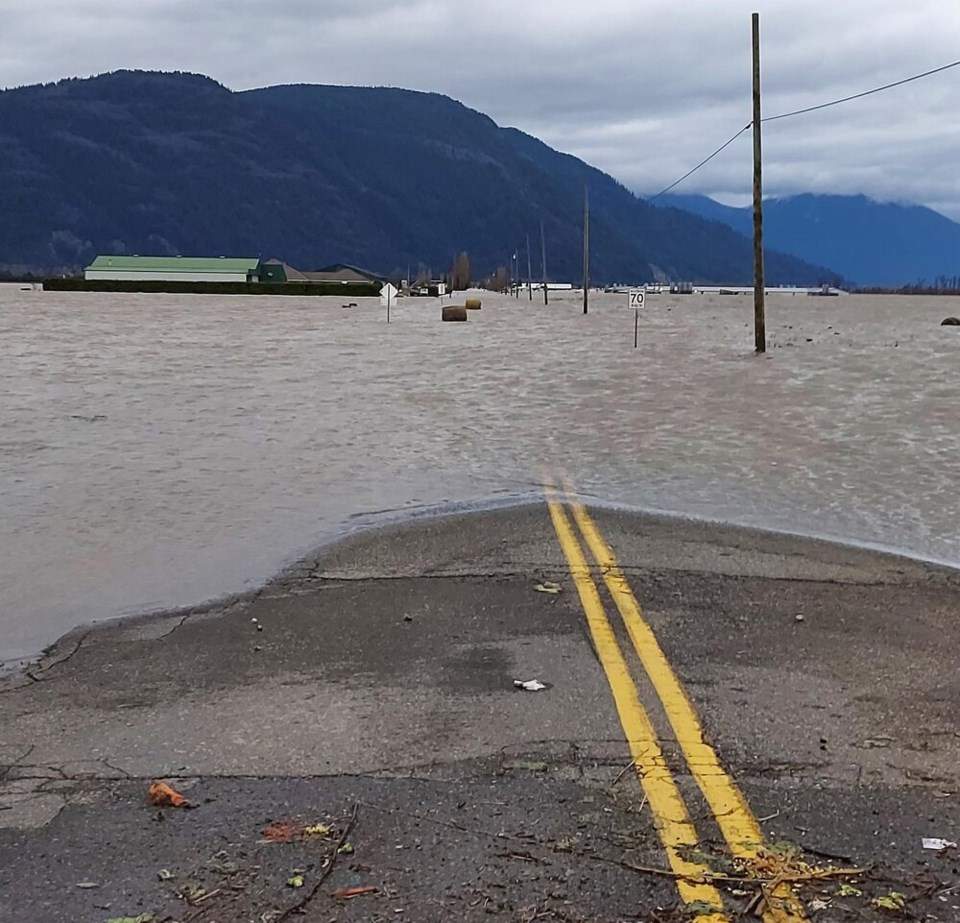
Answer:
[(950, 322), (454, 312), (473, 304)]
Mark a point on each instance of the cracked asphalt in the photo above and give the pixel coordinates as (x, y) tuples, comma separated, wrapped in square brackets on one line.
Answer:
[(370, 689)]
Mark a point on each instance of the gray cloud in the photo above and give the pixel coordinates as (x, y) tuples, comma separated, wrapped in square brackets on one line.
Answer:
[(642, 90)]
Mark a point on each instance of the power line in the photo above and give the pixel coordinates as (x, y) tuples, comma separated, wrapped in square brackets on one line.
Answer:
[(702, 163), (795, 112), (846, 99)]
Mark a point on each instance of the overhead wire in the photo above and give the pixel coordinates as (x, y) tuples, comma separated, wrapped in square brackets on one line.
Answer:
[(702, 163), (847, 99), (796, 112)]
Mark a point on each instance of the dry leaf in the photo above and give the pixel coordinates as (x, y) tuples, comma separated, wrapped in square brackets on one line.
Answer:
[(279, 831), (892, 901), (163, 796), (548, 587)]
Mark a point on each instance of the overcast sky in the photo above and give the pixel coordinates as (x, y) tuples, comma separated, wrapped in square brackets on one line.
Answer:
[(643, 89)]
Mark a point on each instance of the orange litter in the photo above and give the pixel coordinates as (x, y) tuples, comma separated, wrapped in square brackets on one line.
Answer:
[(279, 831), (163, 796)]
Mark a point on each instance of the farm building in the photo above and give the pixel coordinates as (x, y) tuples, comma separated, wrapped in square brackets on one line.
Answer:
[(277, 271), (343, 272), (173, 269)]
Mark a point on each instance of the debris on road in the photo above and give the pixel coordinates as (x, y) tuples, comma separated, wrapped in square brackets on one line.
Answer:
[(222, 863), (295, 881), (194, 893), (527, 765), (165, 875), (938, 844), (87, 885), (163, 796), (548, 587), (279, 831), (848, 890), (892, 901), (143, 918), (345, 894), (317, 830), (531, 685)]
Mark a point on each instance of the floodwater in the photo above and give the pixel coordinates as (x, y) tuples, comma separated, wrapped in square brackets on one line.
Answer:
[(159, 451)]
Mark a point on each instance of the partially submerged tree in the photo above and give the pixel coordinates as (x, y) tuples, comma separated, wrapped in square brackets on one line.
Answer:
[(460, 274)]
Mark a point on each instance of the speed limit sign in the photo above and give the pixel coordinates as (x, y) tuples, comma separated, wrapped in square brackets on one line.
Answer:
[(636, 298)]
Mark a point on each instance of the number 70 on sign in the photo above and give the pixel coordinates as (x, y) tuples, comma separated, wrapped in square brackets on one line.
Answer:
[(636, 298)]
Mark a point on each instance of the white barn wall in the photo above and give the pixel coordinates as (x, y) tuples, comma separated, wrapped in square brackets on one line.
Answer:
[(120, 276)]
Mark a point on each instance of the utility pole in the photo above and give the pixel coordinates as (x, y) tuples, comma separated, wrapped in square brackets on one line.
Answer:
[(586, 247), (759, 285), (529, 270), (543, 263)]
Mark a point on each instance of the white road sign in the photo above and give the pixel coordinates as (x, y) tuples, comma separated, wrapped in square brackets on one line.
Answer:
[(636, 298), (388, 294)]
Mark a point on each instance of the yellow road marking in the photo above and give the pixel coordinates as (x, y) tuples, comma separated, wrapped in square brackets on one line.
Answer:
[(673, 822), (737, 823)]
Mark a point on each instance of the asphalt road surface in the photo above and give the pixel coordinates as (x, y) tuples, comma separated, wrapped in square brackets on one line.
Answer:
[(735, 725)]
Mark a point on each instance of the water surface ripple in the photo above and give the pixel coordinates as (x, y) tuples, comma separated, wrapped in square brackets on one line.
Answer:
[(159, 451)]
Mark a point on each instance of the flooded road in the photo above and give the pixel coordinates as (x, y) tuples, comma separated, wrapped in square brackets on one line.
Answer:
[(159, 451)]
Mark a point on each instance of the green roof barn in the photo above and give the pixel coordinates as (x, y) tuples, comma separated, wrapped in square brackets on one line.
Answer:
[(173, 269)]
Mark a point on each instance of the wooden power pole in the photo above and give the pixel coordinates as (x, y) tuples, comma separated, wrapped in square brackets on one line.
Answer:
[(759, 285), (586, 248), (543, 263), (529, 271)]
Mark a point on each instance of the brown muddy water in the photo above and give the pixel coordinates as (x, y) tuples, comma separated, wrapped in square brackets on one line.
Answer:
[(158, 451)]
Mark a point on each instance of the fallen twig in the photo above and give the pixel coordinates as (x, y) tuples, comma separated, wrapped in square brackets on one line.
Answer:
[(786, 878), (200, 900), (754, 903), (823, 854), (623, 772), (325, 874), (346, 894)]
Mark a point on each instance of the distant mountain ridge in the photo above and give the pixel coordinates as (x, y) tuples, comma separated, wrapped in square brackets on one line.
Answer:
[(871, 243), (167, 163)]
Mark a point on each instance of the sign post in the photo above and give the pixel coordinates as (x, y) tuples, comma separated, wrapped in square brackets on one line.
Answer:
[(387, 294), (637, 298)]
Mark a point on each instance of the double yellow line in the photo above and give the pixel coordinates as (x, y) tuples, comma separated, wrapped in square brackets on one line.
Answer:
[(677, 832)]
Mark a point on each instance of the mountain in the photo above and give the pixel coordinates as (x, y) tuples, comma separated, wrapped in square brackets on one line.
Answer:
[(166, 163), (873, 243)]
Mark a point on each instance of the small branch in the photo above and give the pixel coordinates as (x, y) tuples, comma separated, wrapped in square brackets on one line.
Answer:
[(786, 878), (325, 874), (623, 772)]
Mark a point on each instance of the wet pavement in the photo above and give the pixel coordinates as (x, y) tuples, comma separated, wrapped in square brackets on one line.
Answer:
[(371, 688), (161, 451)]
